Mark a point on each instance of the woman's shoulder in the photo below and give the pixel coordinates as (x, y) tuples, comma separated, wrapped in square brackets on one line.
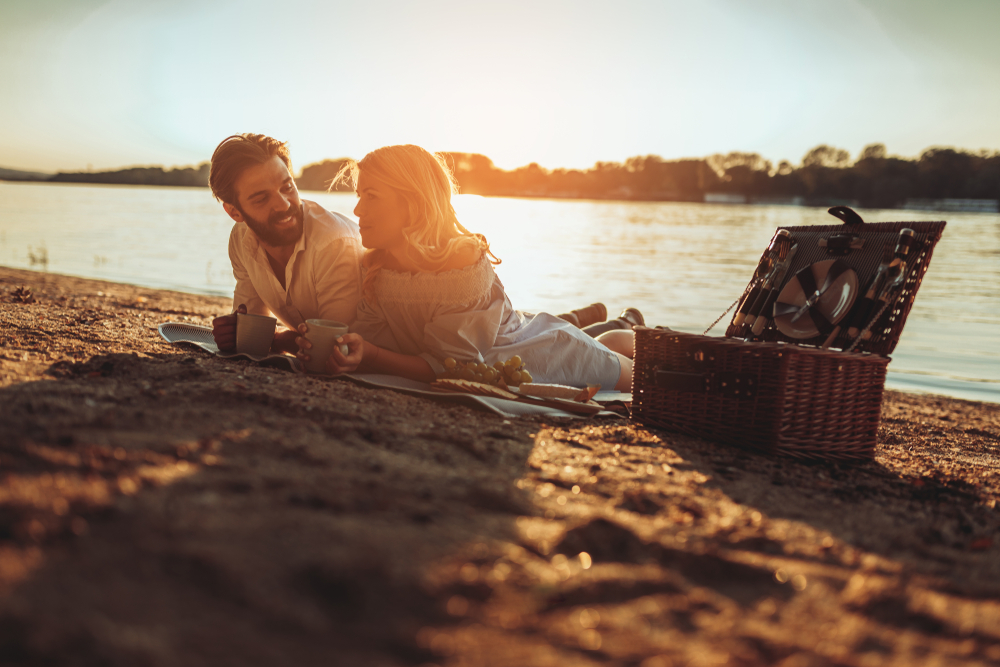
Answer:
[(464, 257), (465, 282)]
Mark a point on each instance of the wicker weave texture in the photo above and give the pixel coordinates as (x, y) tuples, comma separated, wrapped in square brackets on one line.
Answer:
[(801, 402)]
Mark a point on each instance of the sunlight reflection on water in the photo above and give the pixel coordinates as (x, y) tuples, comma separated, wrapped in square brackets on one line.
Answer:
[(681, 264)]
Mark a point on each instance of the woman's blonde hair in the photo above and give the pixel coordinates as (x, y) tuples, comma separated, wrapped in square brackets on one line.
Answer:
[(434, 234)]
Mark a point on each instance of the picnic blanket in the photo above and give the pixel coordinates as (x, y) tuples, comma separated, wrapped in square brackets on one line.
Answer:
[(181, 333)]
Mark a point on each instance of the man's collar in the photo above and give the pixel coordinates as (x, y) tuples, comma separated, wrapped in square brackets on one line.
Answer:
[(300, 245), (250, 241)]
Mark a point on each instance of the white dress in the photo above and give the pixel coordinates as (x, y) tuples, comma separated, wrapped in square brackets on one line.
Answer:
[(466, 315)]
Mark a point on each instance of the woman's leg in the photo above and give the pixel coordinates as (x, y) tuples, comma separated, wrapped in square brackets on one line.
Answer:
[(625, 377), (621, 341), (585, 317), (629, 318)]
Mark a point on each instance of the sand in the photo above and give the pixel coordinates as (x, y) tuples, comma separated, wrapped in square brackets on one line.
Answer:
[(160, 506)]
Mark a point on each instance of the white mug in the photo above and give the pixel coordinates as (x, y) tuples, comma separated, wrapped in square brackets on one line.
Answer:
[(323, 335)]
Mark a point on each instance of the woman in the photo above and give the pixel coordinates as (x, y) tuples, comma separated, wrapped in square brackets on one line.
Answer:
[(429, 290)]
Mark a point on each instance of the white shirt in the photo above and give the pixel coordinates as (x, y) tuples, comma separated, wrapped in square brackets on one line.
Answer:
[(322, 277)]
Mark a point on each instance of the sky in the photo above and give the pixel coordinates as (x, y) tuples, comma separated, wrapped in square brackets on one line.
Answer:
[(104, 84)]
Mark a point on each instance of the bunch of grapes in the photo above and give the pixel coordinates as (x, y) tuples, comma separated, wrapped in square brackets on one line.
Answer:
[(508, 373)]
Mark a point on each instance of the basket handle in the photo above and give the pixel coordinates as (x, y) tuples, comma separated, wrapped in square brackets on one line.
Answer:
[(847, 214)]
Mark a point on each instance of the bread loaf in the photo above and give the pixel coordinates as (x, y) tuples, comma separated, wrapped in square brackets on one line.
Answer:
[(549, 390)]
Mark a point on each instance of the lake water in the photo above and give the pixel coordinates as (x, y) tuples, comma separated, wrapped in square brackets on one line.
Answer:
[(681, 264)]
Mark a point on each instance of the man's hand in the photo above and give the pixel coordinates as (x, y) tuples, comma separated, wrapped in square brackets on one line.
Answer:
[(284, 341), (224, 330)]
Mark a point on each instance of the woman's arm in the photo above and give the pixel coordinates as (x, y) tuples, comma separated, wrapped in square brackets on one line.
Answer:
[(380, 360), (368, 358)]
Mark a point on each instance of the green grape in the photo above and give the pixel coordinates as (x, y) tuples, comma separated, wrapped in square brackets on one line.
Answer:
[(526, 377), (481, 367), (450, 363), (514, 362), (515, 377), (498, 365), (467, 374)]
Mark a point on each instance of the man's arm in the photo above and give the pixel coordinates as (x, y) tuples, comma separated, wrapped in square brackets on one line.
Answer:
[(244, 292), (338, 280), (245, 299)]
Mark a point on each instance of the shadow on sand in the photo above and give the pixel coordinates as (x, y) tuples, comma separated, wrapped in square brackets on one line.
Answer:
[(181, 509)]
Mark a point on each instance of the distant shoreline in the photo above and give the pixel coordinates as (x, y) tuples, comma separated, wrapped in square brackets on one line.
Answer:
[(941, 179), (959, 205)]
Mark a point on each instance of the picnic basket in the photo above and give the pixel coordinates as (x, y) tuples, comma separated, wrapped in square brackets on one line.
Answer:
[(774, 393)]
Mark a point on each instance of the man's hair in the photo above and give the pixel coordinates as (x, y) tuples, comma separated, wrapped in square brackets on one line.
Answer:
[(237, 152)]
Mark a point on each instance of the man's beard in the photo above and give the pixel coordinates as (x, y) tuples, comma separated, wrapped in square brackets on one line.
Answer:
[(276, 237)]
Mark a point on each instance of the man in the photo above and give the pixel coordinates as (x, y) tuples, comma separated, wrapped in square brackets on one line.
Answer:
[(291, 258)]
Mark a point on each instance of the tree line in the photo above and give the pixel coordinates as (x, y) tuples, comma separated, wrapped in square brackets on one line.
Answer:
[(179, 176), (826, 175), (875, 179)]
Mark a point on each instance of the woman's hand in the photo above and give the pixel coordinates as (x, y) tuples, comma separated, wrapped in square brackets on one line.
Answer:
[(347, 363), (338, 361)]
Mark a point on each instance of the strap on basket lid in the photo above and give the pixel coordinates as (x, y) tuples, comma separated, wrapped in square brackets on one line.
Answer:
[(847, 214)]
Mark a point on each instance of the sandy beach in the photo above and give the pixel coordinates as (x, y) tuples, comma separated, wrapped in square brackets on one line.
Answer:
[(160, 506)]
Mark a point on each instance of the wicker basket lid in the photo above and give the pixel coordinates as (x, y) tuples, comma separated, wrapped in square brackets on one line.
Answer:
[(865, 249)]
